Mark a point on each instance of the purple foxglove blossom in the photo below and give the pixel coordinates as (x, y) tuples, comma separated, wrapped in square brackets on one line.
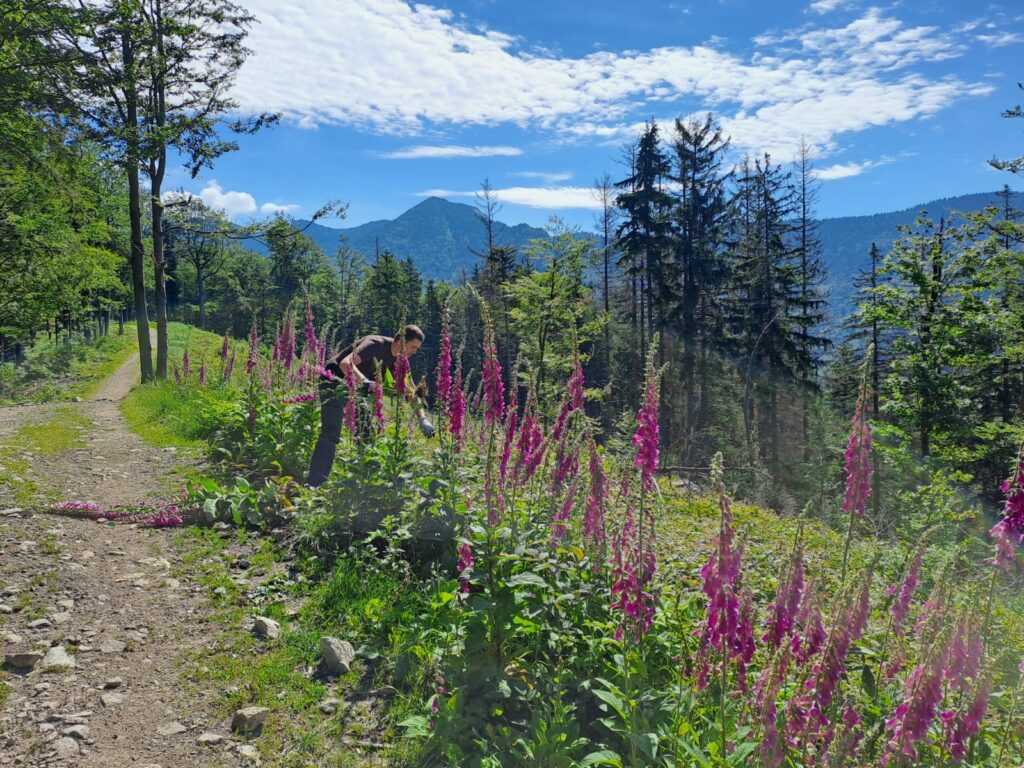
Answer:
[(254, 349), (186, 365), (312, 344), (458, 412), (597, 499), (562, 515), (177, 373), (858, 461), (912, 718), (202, 373), (646, 436), (288, 342), (350, 414), (230, 367), (378, 402), (494, 387), (630, 596), (1009, 532), (511, 421), (967, 725), (782, 621), (465, 563), (726, 630), (305, 397), (444, 368), (401, 373), (904, 593), (224, 349)]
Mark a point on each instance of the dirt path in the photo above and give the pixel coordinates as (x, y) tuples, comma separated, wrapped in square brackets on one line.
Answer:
[(113, 598)]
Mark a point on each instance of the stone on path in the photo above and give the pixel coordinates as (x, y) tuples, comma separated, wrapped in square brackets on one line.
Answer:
[(114, 682), (249, 720), (58, 658), (209, 738), (112, 646), (66, 747), (112, 699), (22, 661), (268, 628), (79, 731), (40, 624), (338, 655), (171, 729)]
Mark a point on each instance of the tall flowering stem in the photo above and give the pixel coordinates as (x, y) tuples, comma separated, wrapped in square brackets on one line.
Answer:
[(378, 401), (254, 349), (597, 499), (186, 365), (784, 611), (494, 387), (858, 467), (351, 416), (444, 368), (726, 630), (1009, 532), (457, 415)]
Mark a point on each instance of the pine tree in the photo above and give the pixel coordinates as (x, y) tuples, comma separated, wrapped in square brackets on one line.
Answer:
[(701, 218)]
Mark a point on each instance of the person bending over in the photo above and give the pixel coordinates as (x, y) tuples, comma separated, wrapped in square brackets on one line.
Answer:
[(362, 358)]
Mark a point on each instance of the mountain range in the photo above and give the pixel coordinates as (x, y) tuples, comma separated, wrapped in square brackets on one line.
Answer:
[(442, 237)]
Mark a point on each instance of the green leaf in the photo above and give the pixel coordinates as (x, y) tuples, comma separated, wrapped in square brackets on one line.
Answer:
[(614, 701), (646, 743), (210, 510), (867, 679), (601, 757), (526, 579)]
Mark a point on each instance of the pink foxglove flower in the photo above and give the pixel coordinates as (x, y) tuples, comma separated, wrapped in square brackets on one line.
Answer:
[(904, 593), (177, 373), (458, 412), (858, 461), (312, 343), (1009, 532), (305, 397), (288, 342), (597, 499), (254, 349), (646, 436), (378, 401), (444, 368), (202, 373), (511, 421), (494, 387), (965, 726), (224, 349), (186, 365), (401, 373), (782, 621), (230, 367), (726, 630), (562, 515), (630, 595), (465, 563), (910, 723), (350, 413)]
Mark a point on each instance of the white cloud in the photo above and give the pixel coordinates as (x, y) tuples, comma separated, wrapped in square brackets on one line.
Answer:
[(553, 198), (419, 152), (232, 203), (846, 170), (544, 176), (274, 209), (826, 6), (394, 67), (1003, 38)]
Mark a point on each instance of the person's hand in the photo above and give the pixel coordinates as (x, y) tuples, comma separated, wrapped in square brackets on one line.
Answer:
[(426, 427)]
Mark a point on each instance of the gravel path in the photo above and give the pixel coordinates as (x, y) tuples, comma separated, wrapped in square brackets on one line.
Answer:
[(109, 609)]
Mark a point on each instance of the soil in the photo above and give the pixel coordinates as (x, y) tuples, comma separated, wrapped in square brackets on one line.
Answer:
[(114, 598)]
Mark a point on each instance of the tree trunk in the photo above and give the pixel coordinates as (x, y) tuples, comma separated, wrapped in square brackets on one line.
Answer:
[(201, 286), (138, 251), (156, 177)]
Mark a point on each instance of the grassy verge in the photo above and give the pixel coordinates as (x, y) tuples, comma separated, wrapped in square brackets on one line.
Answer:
[(313, 721), (61, 430), (55, 371), (157, 412)]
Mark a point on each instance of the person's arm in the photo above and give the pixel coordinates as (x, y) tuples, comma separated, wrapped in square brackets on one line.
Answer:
[(351, 361)]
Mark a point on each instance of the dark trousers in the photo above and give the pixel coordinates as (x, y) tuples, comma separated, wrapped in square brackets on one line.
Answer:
[(332, 408)]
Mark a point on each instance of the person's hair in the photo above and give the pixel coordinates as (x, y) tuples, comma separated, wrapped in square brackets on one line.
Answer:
[(411, 332)]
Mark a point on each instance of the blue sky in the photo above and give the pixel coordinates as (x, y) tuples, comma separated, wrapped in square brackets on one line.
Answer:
[(386, 102)]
